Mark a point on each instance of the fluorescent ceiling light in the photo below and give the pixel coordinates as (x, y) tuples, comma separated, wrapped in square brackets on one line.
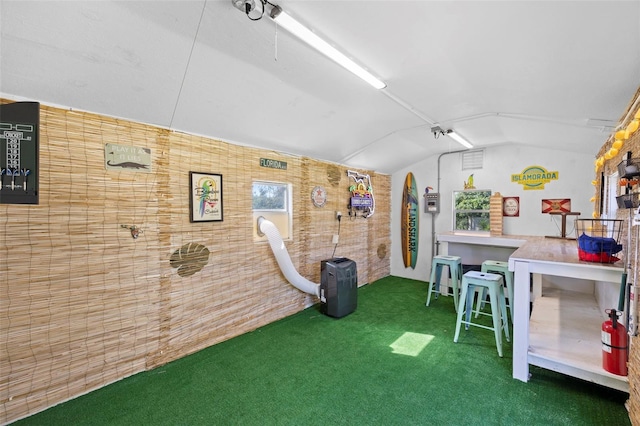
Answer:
[(309, 37), (462, 141)]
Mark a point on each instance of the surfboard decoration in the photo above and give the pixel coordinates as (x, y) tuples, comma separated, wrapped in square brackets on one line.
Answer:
[(409, 222)]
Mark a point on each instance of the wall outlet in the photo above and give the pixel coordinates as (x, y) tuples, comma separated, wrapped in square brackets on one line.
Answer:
[(338, 215), (335, 239)]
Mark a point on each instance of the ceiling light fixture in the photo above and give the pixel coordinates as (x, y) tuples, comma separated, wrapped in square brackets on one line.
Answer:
[(462, 141), (305, 34), (437, 132)]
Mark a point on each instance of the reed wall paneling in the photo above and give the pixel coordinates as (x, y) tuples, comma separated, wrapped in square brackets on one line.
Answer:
[(83, 304)]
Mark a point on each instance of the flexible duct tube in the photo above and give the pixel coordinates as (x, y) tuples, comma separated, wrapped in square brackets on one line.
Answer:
[(284, 261)]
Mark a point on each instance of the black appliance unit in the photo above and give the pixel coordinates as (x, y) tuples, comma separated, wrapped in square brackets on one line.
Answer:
[(338, 286)]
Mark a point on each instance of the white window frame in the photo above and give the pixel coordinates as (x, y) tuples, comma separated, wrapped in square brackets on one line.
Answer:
[(455, 212), (282, 218), (612, 193)]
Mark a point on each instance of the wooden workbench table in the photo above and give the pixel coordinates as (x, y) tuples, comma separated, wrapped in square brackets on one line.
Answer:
[(563, 333)]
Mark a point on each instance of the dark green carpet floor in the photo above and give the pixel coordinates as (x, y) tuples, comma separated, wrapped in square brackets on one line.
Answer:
[(391, 362)]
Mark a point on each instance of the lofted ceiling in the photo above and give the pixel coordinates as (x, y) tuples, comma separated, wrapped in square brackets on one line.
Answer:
[(555, 74)]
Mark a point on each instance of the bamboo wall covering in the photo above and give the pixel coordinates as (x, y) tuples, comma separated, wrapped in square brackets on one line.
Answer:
[(83, 304)]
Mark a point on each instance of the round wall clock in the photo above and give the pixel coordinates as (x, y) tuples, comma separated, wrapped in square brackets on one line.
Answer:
[(511, 206), (319, 196)]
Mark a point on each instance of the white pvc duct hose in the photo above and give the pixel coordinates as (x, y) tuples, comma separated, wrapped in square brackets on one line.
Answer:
[(284, 261)]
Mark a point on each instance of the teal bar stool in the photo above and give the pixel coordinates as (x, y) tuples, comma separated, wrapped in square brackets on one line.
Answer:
[(454, 263), (502, 267), (494, 284)]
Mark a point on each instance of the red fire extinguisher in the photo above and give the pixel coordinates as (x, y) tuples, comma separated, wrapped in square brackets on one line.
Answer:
[(614, 344)]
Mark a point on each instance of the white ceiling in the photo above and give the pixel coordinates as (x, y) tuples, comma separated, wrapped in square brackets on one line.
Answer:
[(552, 74)]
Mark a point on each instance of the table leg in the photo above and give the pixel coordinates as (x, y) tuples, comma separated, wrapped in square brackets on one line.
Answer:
[(521, 321)]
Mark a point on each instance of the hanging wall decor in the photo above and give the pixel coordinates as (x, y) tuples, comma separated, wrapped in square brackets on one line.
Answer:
[(189, 259), (511, 206), (319, 196), (556, 205), (19, 147), (123, 157), (409, 222), (468, 184), (534, 177), (273, 164), (361, 195), (206, 197)]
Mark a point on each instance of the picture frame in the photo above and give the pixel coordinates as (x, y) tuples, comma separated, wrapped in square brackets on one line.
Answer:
[(511, 206), (205, 198), (556, 205)]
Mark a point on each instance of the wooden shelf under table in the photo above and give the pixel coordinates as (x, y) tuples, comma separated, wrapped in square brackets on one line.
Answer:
[(565, 336)]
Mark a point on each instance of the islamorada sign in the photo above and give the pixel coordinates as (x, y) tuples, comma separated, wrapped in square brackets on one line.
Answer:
[(534, 177)]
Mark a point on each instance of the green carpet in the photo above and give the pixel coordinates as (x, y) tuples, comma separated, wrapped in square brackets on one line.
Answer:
[(391, 362)]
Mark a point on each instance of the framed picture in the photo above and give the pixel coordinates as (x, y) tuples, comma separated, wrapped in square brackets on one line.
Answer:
[(511, 206), (556, 205), (205, 198)]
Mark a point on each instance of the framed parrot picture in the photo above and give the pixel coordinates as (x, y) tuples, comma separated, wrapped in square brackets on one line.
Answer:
[(205, 197)]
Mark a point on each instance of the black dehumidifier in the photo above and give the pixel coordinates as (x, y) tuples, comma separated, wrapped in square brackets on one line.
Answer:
[(338, 287)]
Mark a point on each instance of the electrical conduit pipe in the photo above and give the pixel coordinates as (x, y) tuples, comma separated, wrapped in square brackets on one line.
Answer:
[(284, 261)]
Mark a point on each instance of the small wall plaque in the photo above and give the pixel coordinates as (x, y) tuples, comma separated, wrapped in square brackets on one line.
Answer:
[(511, 206), (273, 164), (123, 157), (319, 196)]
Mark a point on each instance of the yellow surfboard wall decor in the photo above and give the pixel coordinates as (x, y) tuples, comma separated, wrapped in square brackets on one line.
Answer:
[(409, 222)]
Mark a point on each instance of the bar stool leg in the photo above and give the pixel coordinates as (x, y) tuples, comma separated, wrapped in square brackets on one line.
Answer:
[(503, 310), (434, 281), (468, 304), (456, 276), (463, 297), (438, 281), (482, 297), (497, 319)]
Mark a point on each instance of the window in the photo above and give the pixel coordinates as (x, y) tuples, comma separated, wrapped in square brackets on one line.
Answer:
[(611, 206), (612, 192), (269, 196), (272, 201), (471, 210)]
